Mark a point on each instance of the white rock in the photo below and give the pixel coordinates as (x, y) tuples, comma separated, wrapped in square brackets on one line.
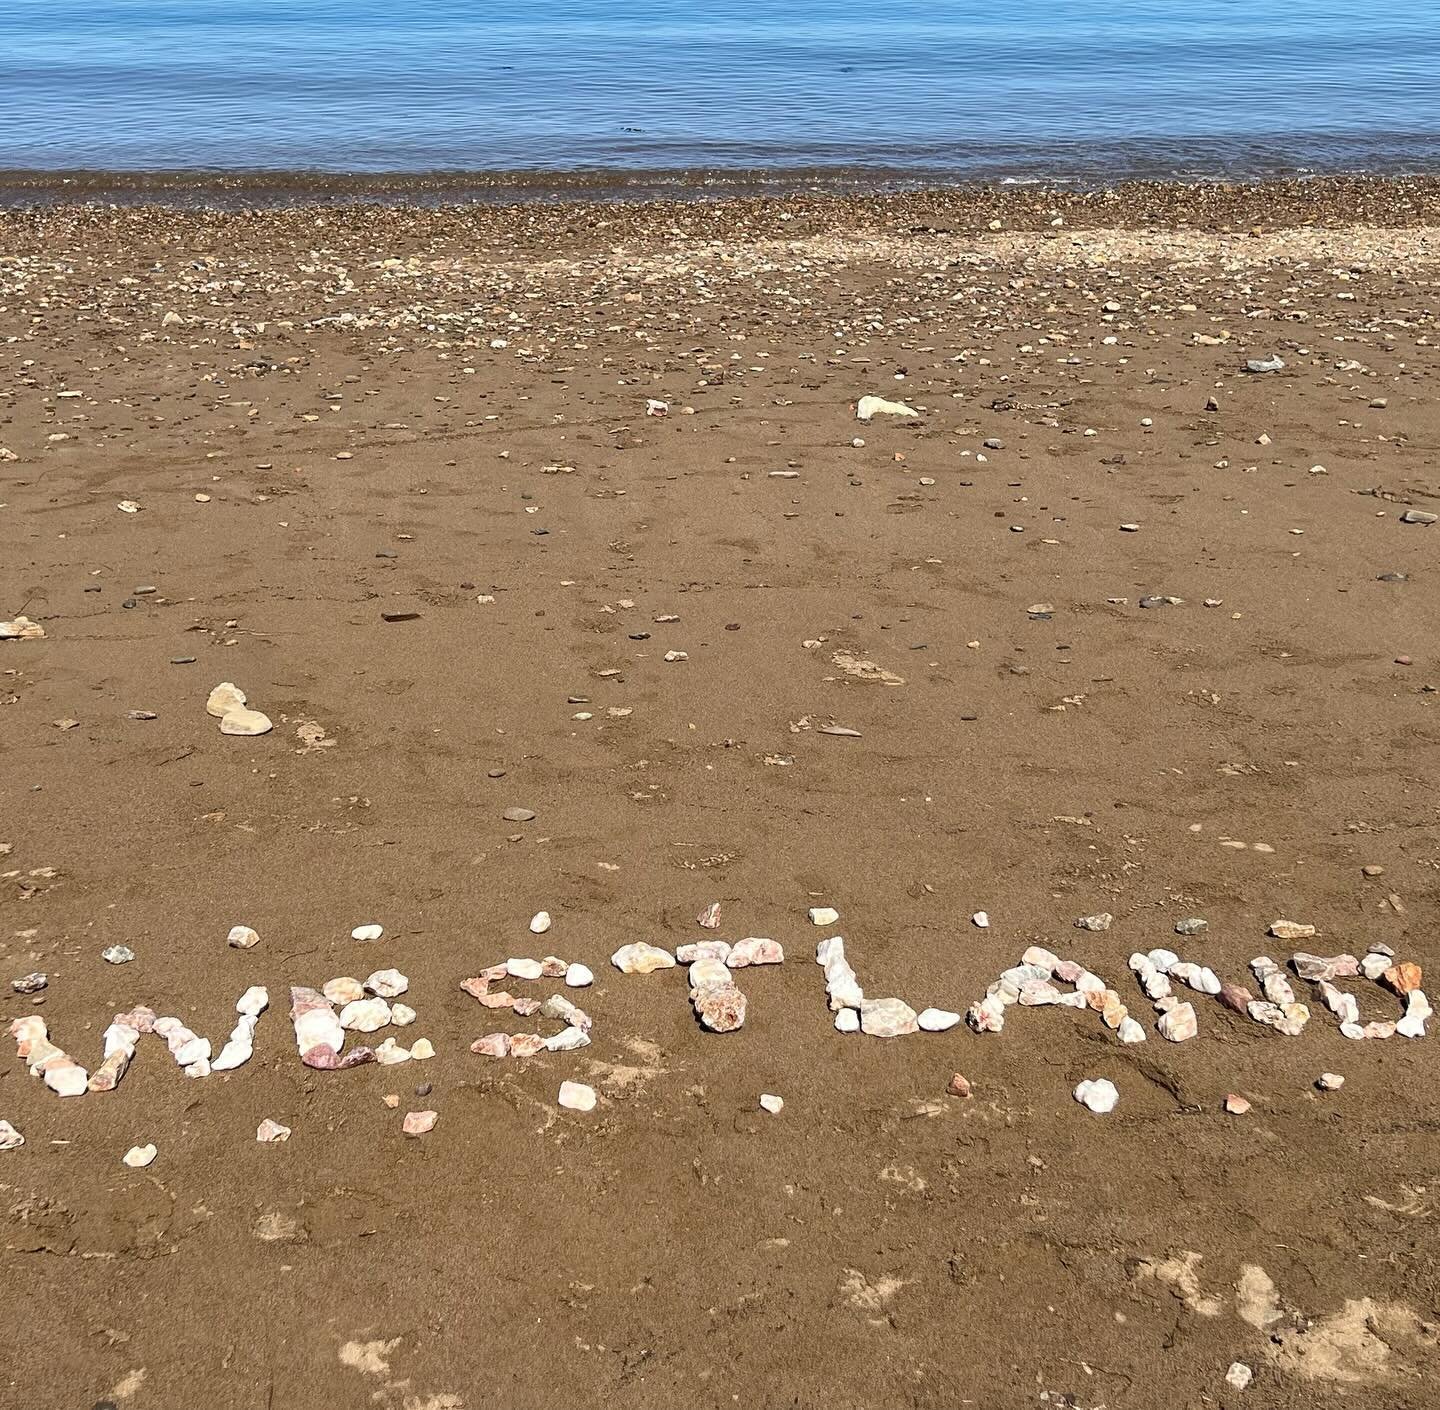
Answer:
[(246, 722), (1239, 1375), (365, 1015), (937, 1020), (343, 990), (269, 1130), (402, 1015), (241, 937), (578, 976), (577, 1096), (823, 915), (422, 1049), (367, 932), (540, 922), (981, 919), (387, 983), (1291, 930), (774, 1105), (640, 958), (138, 1157), (567, 1040), (1102, 921), (388, 1053), (522, 968), (1130, 1031), (1417, 1011), (226, 696), (868, 407), (1098, 1094), (10, 1138), (847, 1021), (1330, 1082)]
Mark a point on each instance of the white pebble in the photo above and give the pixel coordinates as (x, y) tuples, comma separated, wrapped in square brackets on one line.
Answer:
[(241, 937), (937, 1020), (981, 919), (1330, 1082), (1239, 1375), (823, 915), (847, 1021), (540, 922), (1098, 1094), (577, 1096), (367, 932), (578, 976), (774, 1105), (138, 1157)]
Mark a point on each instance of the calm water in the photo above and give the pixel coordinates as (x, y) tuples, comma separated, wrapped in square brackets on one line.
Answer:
[(1054, 88)]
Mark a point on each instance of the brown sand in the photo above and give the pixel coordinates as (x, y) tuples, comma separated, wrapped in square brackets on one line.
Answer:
[(329, 380)]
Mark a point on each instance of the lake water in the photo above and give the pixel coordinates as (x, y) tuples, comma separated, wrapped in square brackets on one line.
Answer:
[(1052, 88)]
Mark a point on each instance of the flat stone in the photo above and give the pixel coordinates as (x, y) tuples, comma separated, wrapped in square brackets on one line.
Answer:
[(980, 920), (367, 932), (1330, 1082), (640, 958), (402, 1015), (389, 1053), (387, 983), (138, 1157), (1236, 1105), (1098, 1094), (888, 1018), (824, 915), (117, 954), (518, 815), (417, 1123), (1103, 921), (773, 1104), (271, 1132), (1192, 925), (343, 990), (577, 1096), (937, 1020), (422, 1049), (10, 1138), (245, 722), (495, 1045), (365, 1015), (1291, 930), (755, 949), (1419, 516), (1239, 1376), (30, 983), (1179, 1023), (522, 968)]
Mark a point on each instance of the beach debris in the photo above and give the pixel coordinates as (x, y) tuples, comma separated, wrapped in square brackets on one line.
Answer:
[(540, 922), (1235, 1104), (319, 1034), (577, 1096), (1098, 1094), (367, 932), (117, 954), (59, 1071), (824, 915), (1330, 1081), (138, 1157), (887, 1018), (30, 983), (271, 1132), (868, 407), (10, 1138), (640, 958), (1103, 921), (958, 1085), (21, 629), (417, 1123), (1265, 364), (937, 1020), (709, 918), (240, 1046), (773, 1104), (242, 937), (386, 983), (1239, 1375), (578, 976), (226, 696)]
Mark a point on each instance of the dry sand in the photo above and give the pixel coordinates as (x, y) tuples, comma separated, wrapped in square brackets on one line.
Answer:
[(415, 412)]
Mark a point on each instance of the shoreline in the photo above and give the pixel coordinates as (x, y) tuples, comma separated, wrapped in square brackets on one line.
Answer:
[(1189, 198)]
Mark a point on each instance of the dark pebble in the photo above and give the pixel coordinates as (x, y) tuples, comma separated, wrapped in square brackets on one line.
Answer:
[(182, 660), (497, 773), (424, 1089), (129, 603), (399, 616), (387, 553), (994, 443), (1393, 578)]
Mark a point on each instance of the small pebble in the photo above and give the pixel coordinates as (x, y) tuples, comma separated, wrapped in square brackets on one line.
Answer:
[(823, 915), (981, 920), (518, 815), (959, 1085), (241, 937), (138, 1157), (1330, 1082), (30, 984), (1098, 1094), (417, 1123), (367, 932), (774, 1105), (578, 976), (1236, 1105), (271, 1131), (1239, 1375), (540, 922), (577, 1096), (117, 954)]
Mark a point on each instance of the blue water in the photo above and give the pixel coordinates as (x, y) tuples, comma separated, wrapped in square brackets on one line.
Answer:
[(1054, 88)]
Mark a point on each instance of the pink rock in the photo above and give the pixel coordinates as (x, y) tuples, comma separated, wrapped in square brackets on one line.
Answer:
[(755, 950), (1236, 1105), (269, 1131), (525, 1007), (888, 1018), (477, 987), (417, 1123), (721, 1007), (526, 1045), (553, 968), (959, 1085), (703, 950), (496, 1045), (501, 1000), (1236, 997), (1068, 970), (709, 918), (1179, 1023)]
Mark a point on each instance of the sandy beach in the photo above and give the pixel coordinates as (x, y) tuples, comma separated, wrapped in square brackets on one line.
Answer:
[(1109, 625)]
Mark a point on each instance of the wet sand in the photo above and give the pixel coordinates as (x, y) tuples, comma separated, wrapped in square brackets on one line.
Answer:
[(439, 416)]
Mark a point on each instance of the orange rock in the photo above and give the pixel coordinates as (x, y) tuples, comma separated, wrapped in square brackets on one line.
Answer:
[(959, 1086), (1402, 978)]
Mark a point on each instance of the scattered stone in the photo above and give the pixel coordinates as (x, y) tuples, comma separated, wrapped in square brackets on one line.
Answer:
[(417, 1123), (1330, 1082), (869, 407), (518, 815), (226, 696), (1291, 930), (21, 629), (387, 983), (117, 954), (241, 937), (141, 715), (1103, 921), (1193, 925), (1239, 1375), (59, 1071), (774, 1105), (422, 1049), (245, 722), (365, 1015), (847, 1021), (1236, 1105), (577, 1096), (540, 922), (754, 950), (1179, 1023), (1269, 364), (709, 918), (271, 1132), (959, 1085), (343, 990), (138, 1157), (1419, 516), (10, 1138), (1098, 1094), (824, 915), (578, 976), (31, 983), (522, 968), (367, 932), (719, 1006), (981, 920)]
